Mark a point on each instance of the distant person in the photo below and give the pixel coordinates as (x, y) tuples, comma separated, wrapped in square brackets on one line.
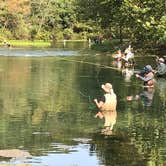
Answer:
[(161, 67), (129, 55), (147, 76), (96, 40), (118, 56), (89, 42), (128, 49), (7, 44), (164, 59), (64, 42), (101, 39), (107, 106), (110, 39)]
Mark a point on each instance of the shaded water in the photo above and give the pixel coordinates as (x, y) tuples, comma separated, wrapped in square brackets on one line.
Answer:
[(47, 110)]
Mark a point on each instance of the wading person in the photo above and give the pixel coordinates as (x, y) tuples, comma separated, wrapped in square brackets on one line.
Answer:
[(129, 56), (147, 76), (107, 107), (161, 67), (118, 56)]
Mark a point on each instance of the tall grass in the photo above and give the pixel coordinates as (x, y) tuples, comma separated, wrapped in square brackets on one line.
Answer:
[(36, 43)]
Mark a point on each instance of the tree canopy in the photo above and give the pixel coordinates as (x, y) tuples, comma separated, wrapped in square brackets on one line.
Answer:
[(140, 21)]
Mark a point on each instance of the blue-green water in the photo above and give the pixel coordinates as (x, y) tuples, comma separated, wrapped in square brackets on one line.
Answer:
[(47, 110)]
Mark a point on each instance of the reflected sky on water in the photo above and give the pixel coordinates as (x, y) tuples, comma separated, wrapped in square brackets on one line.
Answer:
[(47, 110), (29, 52)]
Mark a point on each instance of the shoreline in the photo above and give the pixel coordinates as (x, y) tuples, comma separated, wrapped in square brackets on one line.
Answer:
[(35, 43)]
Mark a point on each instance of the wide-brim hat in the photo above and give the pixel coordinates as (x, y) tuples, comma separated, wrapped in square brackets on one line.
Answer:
[(148, 68), (161, 60), (107, 87)]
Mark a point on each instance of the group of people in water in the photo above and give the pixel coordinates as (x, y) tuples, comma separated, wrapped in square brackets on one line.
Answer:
[(108, 102), (127, 58)]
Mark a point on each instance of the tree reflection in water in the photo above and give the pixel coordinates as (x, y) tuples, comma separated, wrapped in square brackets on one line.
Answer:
[(107, 148), (161, 89)]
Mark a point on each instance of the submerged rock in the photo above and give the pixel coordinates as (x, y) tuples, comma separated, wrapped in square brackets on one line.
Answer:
[(14, 153)]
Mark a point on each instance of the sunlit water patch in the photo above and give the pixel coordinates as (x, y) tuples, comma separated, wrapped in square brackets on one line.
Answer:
[(61, 155), (31, 52)]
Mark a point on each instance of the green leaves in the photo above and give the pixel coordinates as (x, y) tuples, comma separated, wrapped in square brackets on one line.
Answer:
[(136, 20)]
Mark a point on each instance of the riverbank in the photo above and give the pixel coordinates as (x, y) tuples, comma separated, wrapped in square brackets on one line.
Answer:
[(35, 43), (106, 46), (26, 43), (114, 45)]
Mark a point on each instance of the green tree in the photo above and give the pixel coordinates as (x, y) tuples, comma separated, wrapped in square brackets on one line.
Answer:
[(52, 15), (140, 21), (13, 15)]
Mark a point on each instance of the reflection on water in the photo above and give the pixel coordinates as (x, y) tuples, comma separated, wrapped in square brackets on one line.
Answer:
[(44, 105), (110, 120), (146, 96), (117, 64), (113, 150), (161, 87), (36, 52), (128, 72)]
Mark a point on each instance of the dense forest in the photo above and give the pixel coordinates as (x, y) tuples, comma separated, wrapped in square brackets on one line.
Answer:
[(140, 21)]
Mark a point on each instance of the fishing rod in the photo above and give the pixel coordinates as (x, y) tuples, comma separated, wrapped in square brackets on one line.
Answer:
[(89, 63)]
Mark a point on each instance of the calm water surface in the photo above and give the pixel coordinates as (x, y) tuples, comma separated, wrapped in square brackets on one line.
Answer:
[(47, 110)]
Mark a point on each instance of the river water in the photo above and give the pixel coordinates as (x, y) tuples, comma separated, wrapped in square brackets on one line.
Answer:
[(47, 109)]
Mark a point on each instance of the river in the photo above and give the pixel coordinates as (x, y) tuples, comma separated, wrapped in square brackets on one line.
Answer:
[(47, 109)]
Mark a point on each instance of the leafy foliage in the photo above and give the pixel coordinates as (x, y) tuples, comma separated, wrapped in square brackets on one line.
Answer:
[(140, 21)]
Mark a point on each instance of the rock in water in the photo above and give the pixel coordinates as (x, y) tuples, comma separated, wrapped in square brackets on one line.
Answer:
[(14, 153)]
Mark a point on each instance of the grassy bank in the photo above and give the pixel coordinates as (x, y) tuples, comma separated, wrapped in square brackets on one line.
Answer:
[(35, 43)]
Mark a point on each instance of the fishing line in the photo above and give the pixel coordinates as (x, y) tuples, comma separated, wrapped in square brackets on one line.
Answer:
[(88, 97), (89, 63), (92, 105), (74, 90), (84, 62), (81, 93)]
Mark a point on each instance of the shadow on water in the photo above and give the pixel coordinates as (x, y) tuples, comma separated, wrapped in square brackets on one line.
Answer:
[(47, 110)]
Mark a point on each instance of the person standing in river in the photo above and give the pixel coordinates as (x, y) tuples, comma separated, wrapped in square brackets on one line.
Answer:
[(107, 106), (161, 67), (147, 76)]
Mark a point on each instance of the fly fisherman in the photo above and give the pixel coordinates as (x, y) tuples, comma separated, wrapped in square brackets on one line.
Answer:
[(107, 106)]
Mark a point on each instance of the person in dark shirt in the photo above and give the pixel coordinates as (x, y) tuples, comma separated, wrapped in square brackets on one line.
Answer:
[(147, 76)]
